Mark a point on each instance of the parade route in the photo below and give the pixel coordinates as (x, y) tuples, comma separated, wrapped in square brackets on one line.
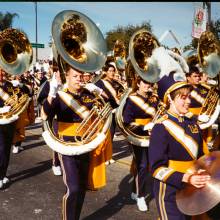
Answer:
[(36, 194)]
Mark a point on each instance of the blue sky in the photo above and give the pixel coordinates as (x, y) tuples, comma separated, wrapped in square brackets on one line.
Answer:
[(175, 16)]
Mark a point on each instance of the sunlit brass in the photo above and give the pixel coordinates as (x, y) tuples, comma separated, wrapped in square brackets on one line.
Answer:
[(78, 41), (119, 53), (209, 54), (195, 201), (141, 45), (15, 51)]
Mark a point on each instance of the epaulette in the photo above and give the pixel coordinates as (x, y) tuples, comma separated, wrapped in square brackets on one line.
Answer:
[(189, 115), (205, 85), (161, 119)]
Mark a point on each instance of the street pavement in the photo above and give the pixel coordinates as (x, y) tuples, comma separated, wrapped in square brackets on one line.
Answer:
[(36, 194)]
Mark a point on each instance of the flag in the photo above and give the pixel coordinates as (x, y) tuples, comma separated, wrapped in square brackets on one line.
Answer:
[(199, 22)]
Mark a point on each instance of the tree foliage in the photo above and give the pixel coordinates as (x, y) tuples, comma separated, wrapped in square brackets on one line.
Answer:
[(215, 28), (6, 20), (124, 33)]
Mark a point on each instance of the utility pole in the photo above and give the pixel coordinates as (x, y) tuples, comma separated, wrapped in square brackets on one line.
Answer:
[(36, 30), (208, 5)]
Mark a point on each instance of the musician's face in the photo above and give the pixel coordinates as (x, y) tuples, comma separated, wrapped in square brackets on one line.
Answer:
[(74, 79), (194, 78), (86, 78), (144, 86), (110, 73), (182, 102)]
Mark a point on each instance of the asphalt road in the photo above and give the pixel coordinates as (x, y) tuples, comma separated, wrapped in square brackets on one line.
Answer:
[(36, 194)]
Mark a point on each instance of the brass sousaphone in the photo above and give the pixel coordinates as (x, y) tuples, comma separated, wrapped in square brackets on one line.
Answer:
[(15, 58), (209, 60), (142, 63), (207, 57), (140, 49), (79, 43)]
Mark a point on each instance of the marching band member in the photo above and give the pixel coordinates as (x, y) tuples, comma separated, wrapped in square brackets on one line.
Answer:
[(107, 85), (198, 97), (42, 96), (87, 77), (26, 117), (199, 92), (139, 109), (6, 130), (175, 143), (76, 169)]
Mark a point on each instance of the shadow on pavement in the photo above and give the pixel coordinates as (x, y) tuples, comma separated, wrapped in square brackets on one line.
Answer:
[(30, 146), (121, 149), (116, 203), (42, 167)]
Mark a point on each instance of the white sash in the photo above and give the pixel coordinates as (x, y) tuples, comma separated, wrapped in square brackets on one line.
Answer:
[(82, 111), (144, 106), (3, 94), (197, 97), (111, 89), (178, 133)]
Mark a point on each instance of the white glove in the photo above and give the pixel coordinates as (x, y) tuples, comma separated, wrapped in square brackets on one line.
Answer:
[(203, 118), (5, 109), (93, 88), (15, 83), (53, 87), (148, 126), (165, 62)]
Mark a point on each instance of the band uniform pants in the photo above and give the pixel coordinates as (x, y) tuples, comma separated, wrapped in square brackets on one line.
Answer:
[(165, 196), (6, 137), (75, 177), (141, 165)]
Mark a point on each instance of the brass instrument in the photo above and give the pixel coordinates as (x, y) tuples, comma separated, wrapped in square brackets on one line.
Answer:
[(15, 58), (119, 57), (15, 51), (191, 57), (130, 136), (141, 46), (161, 110), (140, 63), (209, 61), (210, 107), (119, 53), (79, 43), (195, 201), (209, 54)]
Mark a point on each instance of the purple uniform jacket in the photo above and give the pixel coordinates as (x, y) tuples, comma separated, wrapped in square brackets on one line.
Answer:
[(174, 139), (139, 107)]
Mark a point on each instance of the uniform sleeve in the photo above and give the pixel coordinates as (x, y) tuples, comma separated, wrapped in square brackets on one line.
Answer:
[(128, 113), (158, 158), (129, 116), (50, 109), (44, 93)]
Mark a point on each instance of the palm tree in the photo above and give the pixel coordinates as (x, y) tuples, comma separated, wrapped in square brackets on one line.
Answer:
[(6, 20)]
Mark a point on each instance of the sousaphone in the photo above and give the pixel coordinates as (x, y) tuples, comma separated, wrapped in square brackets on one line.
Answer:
[(79, 43), (15, 58)]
